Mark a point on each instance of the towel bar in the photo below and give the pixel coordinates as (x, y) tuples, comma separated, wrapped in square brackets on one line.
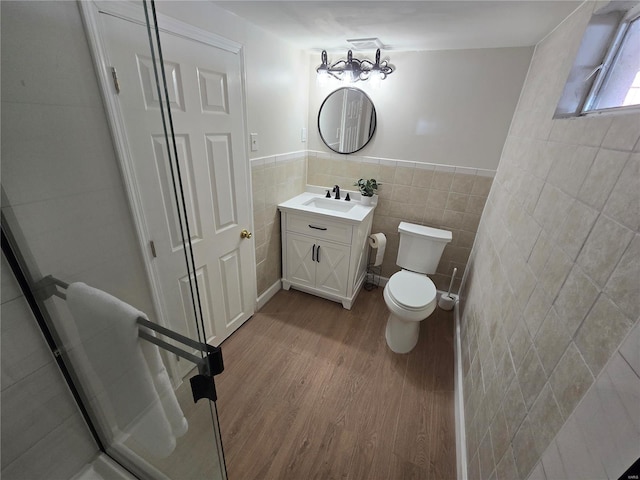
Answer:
[(209, 364), (47, 287)]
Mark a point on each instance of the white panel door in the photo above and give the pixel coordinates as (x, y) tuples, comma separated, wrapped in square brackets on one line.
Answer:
[(205, 89)]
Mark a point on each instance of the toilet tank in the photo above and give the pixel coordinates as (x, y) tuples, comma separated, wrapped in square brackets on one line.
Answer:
[(421, 247)]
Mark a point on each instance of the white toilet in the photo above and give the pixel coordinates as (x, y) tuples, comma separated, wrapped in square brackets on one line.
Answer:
[(409, 294)]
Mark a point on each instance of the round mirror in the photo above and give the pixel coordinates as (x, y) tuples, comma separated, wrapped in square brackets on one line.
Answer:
[(347, 120)]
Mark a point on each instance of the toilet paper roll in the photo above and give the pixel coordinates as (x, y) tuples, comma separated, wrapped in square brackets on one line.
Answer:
[(379, 242)]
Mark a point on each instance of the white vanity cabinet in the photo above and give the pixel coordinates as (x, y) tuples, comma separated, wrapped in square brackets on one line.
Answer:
[(317, 264), (324, 253)]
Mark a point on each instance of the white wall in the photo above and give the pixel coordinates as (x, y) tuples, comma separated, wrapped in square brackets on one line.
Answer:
[(450, 107), (276, 75)]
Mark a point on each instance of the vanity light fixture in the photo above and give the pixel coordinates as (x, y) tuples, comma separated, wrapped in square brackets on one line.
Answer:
[(353, 70)]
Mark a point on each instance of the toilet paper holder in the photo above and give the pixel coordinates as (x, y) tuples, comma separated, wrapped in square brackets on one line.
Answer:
[(372, 276)]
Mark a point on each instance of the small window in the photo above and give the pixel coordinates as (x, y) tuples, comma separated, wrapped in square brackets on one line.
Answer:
[(606, 72), (618, 80)]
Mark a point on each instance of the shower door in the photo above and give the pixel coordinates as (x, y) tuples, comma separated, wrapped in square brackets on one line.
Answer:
[(76, 217)]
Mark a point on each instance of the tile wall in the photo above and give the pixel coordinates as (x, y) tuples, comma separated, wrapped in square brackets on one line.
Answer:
[(601, 438), (43, 433), (439, 196), (451, 198), (274, 180), (65, 198), (551, 292)]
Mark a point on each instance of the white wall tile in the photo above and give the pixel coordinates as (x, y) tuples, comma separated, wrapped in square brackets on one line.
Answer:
[(552, 463), (23, 350), (39, 162), (9, 288), (59, 455), (623, 133), (577, 459), (105, 236), (624, 199), (538, 473), (31, 408), (626, 383), (630, 349), (625, 434), (598, 434), (25, 29), (603, 248), (602, 177), (622, 286)]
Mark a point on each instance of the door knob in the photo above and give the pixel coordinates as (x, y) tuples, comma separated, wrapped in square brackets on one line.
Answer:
[(245, 234)]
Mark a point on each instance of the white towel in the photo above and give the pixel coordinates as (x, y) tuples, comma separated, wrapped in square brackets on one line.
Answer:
[(109, 334), (162, 384)]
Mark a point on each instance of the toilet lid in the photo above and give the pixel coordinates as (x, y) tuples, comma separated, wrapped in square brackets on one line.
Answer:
[(411, 290)]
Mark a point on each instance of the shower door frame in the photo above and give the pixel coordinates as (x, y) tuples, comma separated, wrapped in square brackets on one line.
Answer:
[(90, 11)]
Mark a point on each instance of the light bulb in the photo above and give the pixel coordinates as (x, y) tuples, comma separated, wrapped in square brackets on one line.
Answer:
[(348, 76)]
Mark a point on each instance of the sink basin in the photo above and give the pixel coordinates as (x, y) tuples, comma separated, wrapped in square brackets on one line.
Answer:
[(330, 204), (318, 205)]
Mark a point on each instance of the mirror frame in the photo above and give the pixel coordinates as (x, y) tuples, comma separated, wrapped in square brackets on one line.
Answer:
[(374, 116)]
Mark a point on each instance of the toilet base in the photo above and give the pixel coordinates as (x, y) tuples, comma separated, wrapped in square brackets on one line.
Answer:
[(401, 335)]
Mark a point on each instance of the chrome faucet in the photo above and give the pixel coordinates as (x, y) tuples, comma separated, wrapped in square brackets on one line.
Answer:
[(336, 190)]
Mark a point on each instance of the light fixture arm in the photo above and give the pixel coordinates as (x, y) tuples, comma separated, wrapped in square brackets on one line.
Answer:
[(353, 69)]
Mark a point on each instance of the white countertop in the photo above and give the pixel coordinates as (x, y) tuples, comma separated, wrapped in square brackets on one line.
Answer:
[(304, 203)]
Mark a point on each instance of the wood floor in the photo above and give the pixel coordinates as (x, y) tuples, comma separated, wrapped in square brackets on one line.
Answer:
[(311, 390)]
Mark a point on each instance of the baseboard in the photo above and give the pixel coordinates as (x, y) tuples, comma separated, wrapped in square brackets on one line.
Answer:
[(268, 294), (461, 441)]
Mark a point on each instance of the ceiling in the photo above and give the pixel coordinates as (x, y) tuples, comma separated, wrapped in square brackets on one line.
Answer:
[(402, 25)]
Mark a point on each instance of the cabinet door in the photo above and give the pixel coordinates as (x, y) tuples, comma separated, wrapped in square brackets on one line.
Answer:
[(332, 269), (301, 267)]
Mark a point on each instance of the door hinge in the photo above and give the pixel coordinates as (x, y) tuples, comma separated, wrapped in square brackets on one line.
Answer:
[(153, 248), (116, 83)]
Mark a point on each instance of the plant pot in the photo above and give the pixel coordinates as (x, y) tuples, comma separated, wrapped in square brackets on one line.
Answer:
[(366, 200)]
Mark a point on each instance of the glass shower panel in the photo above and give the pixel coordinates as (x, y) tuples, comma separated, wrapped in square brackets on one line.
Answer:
[(101, 239)]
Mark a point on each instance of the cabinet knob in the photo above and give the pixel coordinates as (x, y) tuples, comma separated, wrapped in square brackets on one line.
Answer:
[(245, 234)]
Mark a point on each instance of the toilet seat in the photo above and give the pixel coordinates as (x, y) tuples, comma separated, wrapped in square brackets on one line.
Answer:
[(411, 291)]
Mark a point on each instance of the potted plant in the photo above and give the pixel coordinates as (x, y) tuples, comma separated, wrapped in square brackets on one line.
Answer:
[(368, 188)]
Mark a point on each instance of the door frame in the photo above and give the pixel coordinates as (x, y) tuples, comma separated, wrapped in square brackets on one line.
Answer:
[(90, 11)]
